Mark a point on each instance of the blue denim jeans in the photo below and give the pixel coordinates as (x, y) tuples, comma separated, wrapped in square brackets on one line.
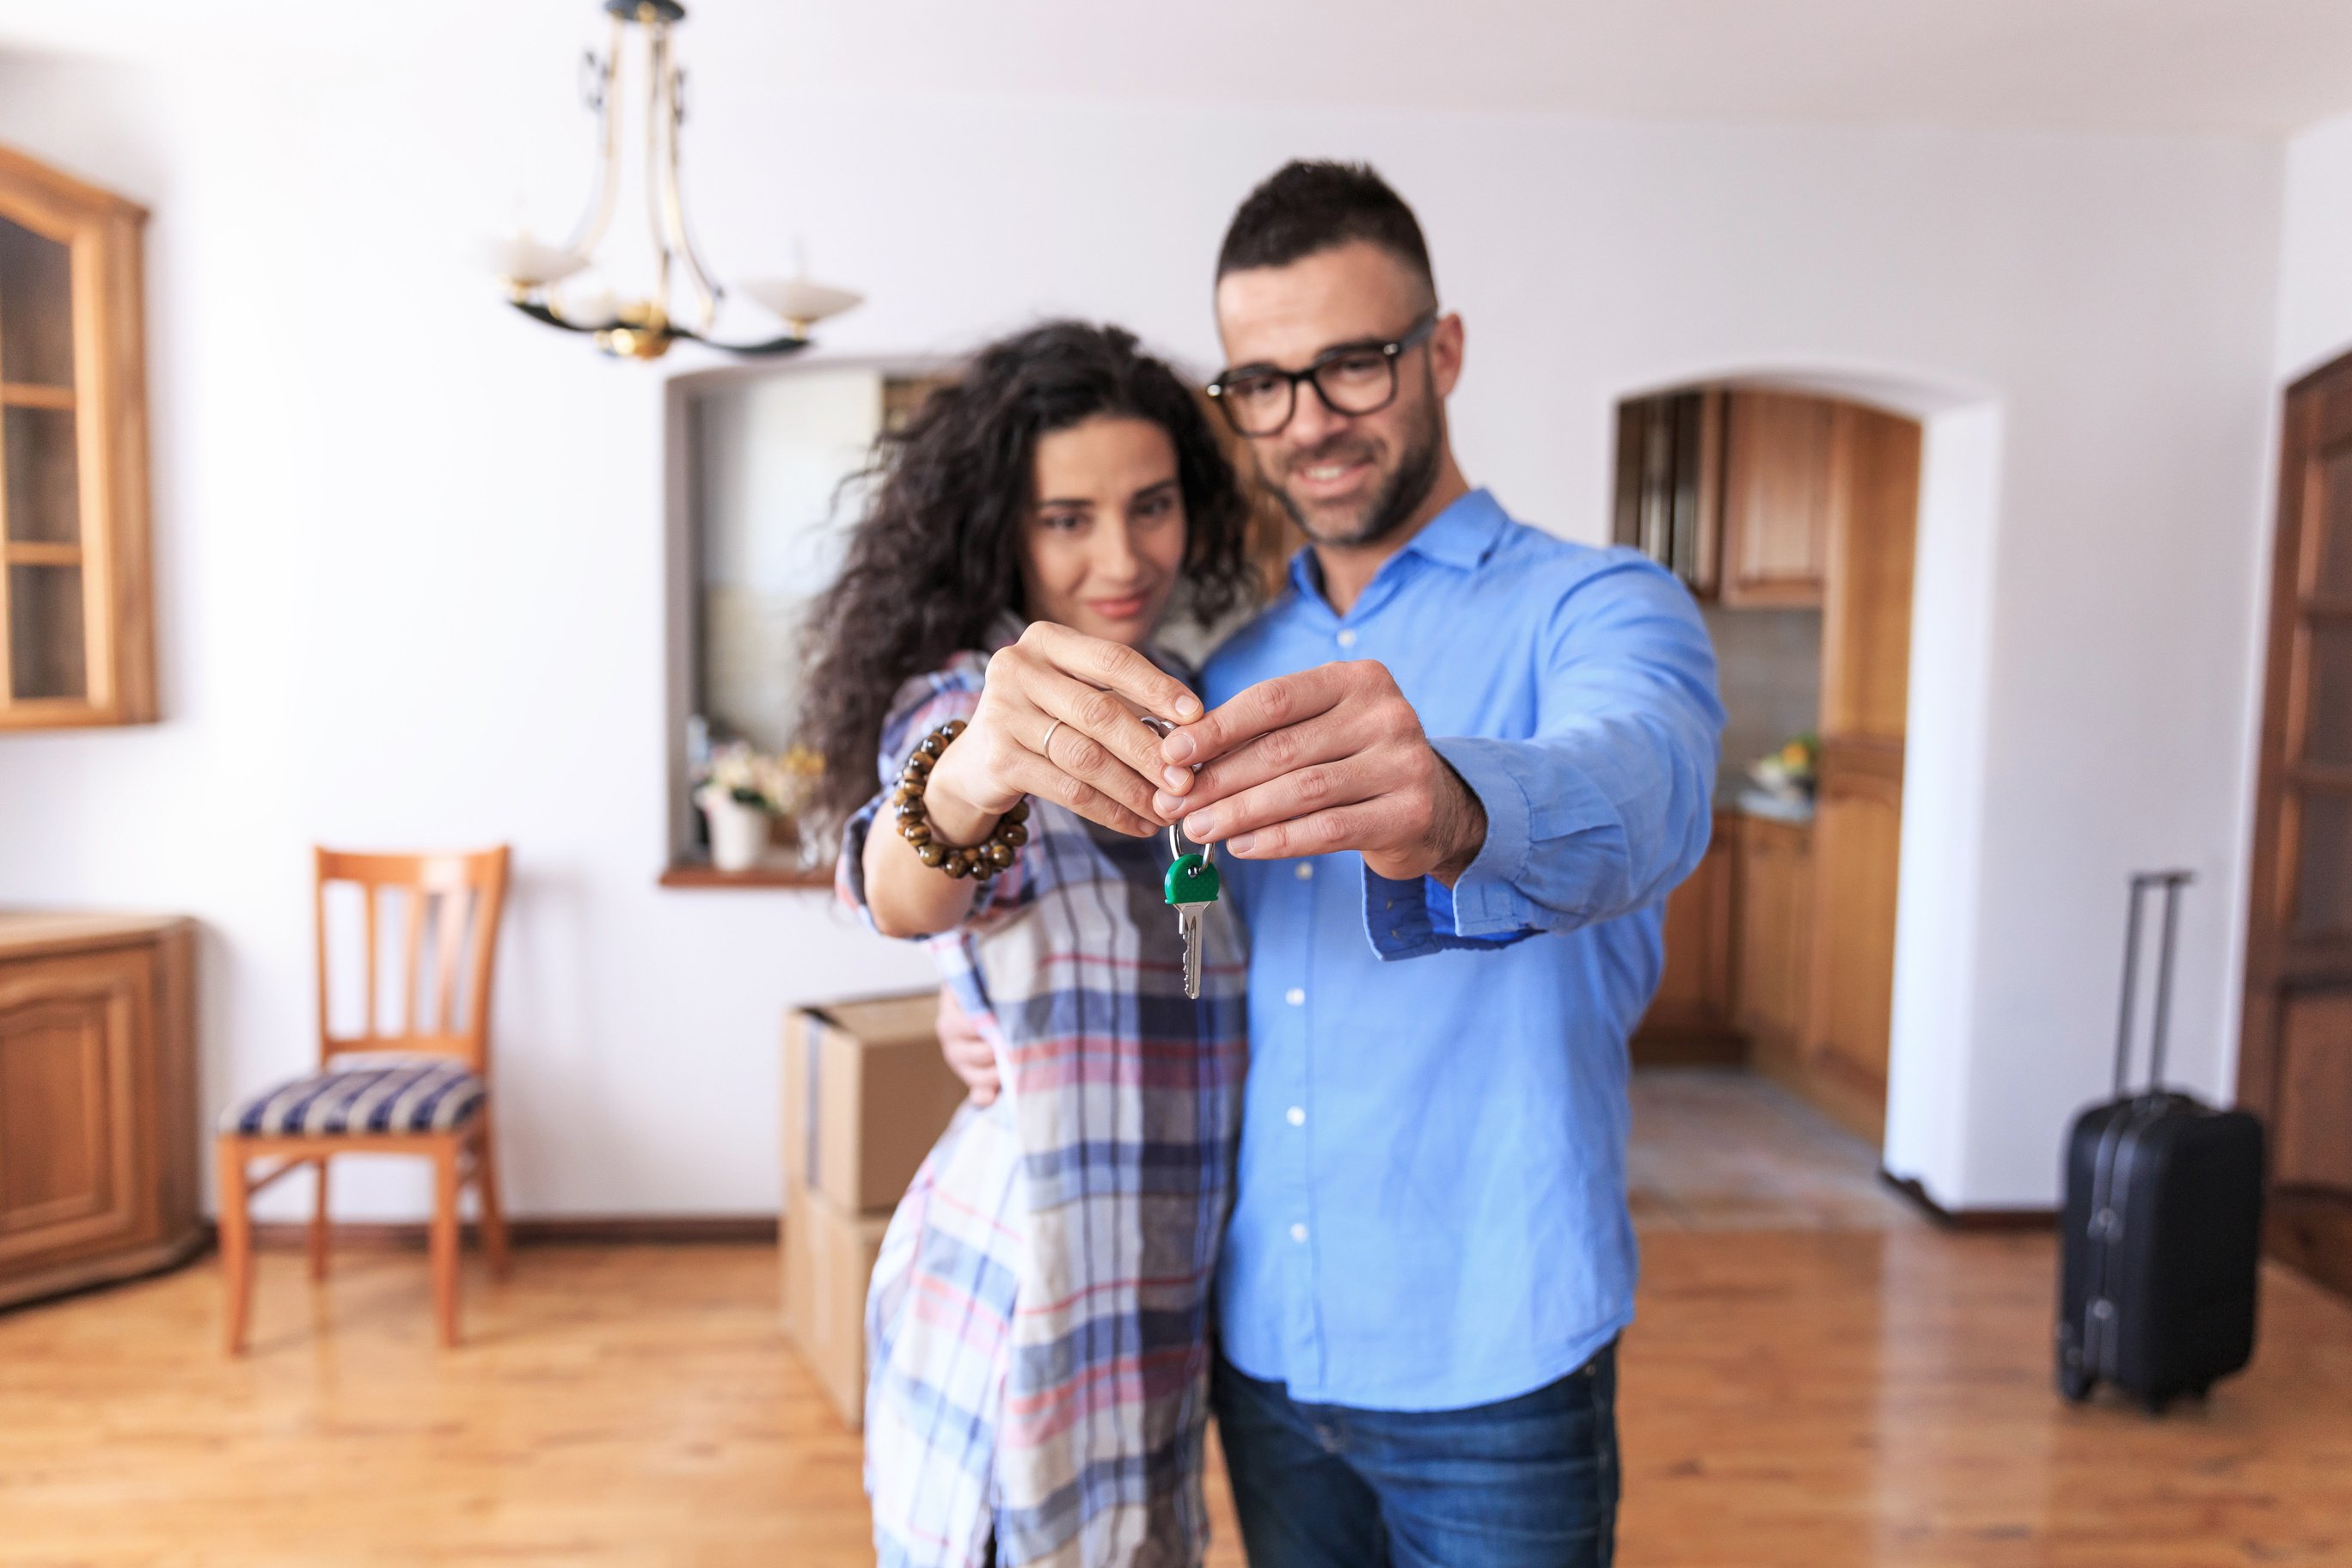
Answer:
[(1529, 1482)]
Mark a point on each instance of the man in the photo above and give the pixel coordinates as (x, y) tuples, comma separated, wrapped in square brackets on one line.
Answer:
[(1430, 1256)]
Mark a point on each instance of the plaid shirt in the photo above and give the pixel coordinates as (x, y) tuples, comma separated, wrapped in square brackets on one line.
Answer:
[(1038, 1325)]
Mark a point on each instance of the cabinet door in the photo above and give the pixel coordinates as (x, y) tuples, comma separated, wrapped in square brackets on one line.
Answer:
[(1779, 466), (1690, 1017), (2294, 1057), (1775, 930), (72, 1171), (1857, 842)]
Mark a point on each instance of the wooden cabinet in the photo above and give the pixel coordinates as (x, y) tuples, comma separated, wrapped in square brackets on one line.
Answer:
[(1866, 588), (1749, 496), (1857, 844), (2295, 1053), (76, 640), (98, 1117), (1783, 500), (1670, 484), (1782, 454), (1773, 923), (1690, 1019)]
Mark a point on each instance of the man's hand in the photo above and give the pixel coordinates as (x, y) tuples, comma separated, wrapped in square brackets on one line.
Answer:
[(968, 1055), (1331, 758)]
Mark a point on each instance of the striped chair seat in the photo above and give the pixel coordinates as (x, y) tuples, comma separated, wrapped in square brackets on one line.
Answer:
[(364, 1093)]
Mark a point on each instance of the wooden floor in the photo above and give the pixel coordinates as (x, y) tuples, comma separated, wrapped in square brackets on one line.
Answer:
[(1808, 1399), (1818, 1378)]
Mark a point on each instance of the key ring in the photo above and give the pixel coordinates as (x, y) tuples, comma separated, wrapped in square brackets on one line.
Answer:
[(1176, 850)]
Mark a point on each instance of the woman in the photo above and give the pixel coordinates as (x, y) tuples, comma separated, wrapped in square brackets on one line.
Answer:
[(1037, 1325)]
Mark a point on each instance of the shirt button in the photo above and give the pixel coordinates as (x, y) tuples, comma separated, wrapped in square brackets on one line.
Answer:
[(1305, 872), (1298, 1233), (1346, 637), (1297, 1116), (1295, 996)]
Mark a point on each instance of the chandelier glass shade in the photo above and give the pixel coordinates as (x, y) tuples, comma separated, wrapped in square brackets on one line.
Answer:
[(644, 327)]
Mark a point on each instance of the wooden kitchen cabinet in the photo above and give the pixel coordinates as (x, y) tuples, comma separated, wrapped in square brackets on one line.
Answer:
[(76, 643), (1858, 843), (1783, 452), (98, 1116), (1690, 1019), (1773, 924), (1669, 490)]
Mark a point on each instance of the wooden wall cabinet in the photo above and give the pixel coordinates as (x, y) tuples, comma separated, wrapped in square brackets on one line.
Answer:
[(98, 1115), (1690, 1020), (1670, 483), (1783, 456), (76, 644)]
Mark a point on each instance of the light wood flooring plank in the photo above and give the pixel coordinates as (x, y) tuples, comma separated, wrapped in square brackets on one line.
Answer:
[(1810, 1400)]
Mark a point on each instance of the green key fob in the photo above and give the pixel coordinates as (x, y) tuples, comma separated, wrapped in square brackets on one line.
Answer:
[(1191, 879)]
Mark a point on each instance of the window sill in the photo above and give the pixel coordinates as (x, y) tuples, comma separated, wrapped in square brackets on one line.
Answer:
[(702, 874)]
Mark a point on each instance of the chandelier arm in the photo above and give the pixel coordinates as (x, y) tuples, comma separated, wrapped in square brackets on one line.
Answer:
[(605, 195), (539, 312), (791, 342), (673, 199), (657, 70)]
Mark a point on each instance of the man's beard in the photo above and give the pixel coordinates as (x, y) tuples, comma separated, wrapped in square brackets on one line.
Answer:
[(1399, 497)]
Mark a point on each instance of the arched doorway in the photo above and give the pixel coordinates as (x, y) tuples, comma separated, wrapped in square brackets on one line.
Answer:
[(1839, 946)]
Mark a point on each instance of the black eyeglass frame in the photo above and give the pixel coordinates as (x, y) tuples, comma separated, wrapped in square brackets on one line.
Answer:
[(1391, 351)]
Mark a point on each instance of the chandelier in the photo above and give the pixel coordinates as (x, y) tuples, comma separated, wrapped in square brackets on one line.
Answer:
[(644, 328)]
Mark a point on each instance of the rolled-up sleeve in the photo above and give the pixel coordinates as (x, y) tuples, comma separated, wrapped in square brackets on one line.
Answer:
[(1607, 806)]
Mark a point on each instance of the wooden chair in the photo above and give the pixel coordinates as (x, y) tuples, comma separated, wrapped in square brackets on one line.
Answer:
[(416, 1088)]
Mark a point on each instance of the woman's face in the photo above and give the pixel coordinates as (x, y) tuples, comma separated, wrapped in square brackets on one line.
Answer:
[(1104, 541)]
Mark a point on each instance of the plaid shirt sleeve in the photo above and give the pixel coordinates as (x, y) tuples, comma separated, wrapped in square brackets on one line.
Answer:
[(922, 705)]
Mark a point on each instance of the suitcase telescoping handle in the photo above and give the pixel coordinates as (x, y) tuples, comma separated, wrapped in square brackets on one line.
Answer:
[(2171, 882)]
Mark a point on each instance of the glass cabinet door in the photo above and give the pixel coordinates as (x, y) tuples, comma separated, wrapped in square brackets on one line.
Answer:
[(38, 469), (74, 639)]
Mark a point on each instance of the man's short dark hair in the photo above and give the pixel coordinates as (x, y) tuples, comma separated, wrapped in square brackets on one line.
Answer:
[(1313, 204)]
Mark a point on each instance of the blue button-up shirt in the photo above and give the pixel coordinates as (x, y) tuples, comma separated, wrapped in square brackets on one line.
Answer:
[(1432, 1207)]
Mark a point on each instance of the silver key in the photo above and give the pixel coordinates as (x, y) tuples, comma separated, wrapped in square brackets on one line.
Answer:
[(1188, 925), (1192, 886)]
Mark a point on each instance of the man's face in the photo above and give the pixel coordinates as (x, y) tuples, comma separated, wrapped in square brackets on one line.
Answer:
[(1346, 478)]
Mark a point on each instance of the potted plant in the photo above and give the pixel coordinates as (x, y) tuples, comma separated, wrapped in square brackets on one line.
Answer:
[(737, 797)]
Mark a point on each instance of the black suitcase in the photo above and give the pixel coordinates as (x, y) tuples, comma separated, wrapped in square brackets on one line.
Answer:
[(2162, 1235)]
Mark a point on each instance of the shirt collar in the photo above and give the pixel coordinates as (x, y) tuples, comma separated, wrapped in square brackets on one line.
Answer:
[(1464, 533), (1462, 536)]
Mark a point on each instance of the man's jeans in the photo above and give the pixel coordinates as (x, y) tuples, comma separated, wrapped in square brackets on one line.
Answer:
[(1530, 1482)]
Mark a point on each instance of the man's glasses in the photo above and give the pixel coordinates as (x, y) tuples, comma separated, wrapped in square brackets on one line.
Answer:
[(1354, 378)]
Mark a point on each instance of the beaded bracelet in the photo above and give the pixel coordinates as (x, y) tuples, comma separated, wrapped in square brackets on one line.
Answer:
[(981, 861)]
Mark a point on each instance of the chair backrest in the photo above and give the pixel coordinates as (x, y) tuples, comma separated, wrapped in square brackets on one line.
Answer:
[(436, 979)]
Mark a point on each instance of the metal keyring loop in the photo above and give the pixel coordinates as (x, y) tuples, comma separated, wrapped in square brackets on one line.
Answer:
[(1176, 850)]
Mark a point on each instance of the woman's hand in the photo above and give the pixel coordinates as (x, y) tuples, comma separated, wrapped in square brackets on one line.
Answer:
[(1058, 719), (968, 1056)]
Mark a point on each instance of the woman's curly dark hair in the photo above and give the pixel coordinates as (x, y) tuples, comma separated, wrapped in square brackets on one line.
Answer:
[(934, 564)]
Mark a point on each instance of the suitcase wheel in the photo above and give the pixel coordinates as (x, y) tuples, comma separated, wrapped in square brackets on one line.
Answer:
[(2155, 1403), (2075, 1384)]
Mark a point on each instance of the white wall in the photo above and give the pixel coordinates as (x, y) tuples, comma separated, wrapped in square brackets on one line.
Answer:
[(2314, 304), (410, 542)]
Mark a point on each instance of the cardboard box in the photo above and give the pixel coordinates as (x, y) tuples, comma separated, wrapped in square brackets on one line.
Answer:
[(866, 1096), (828, 1262)]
